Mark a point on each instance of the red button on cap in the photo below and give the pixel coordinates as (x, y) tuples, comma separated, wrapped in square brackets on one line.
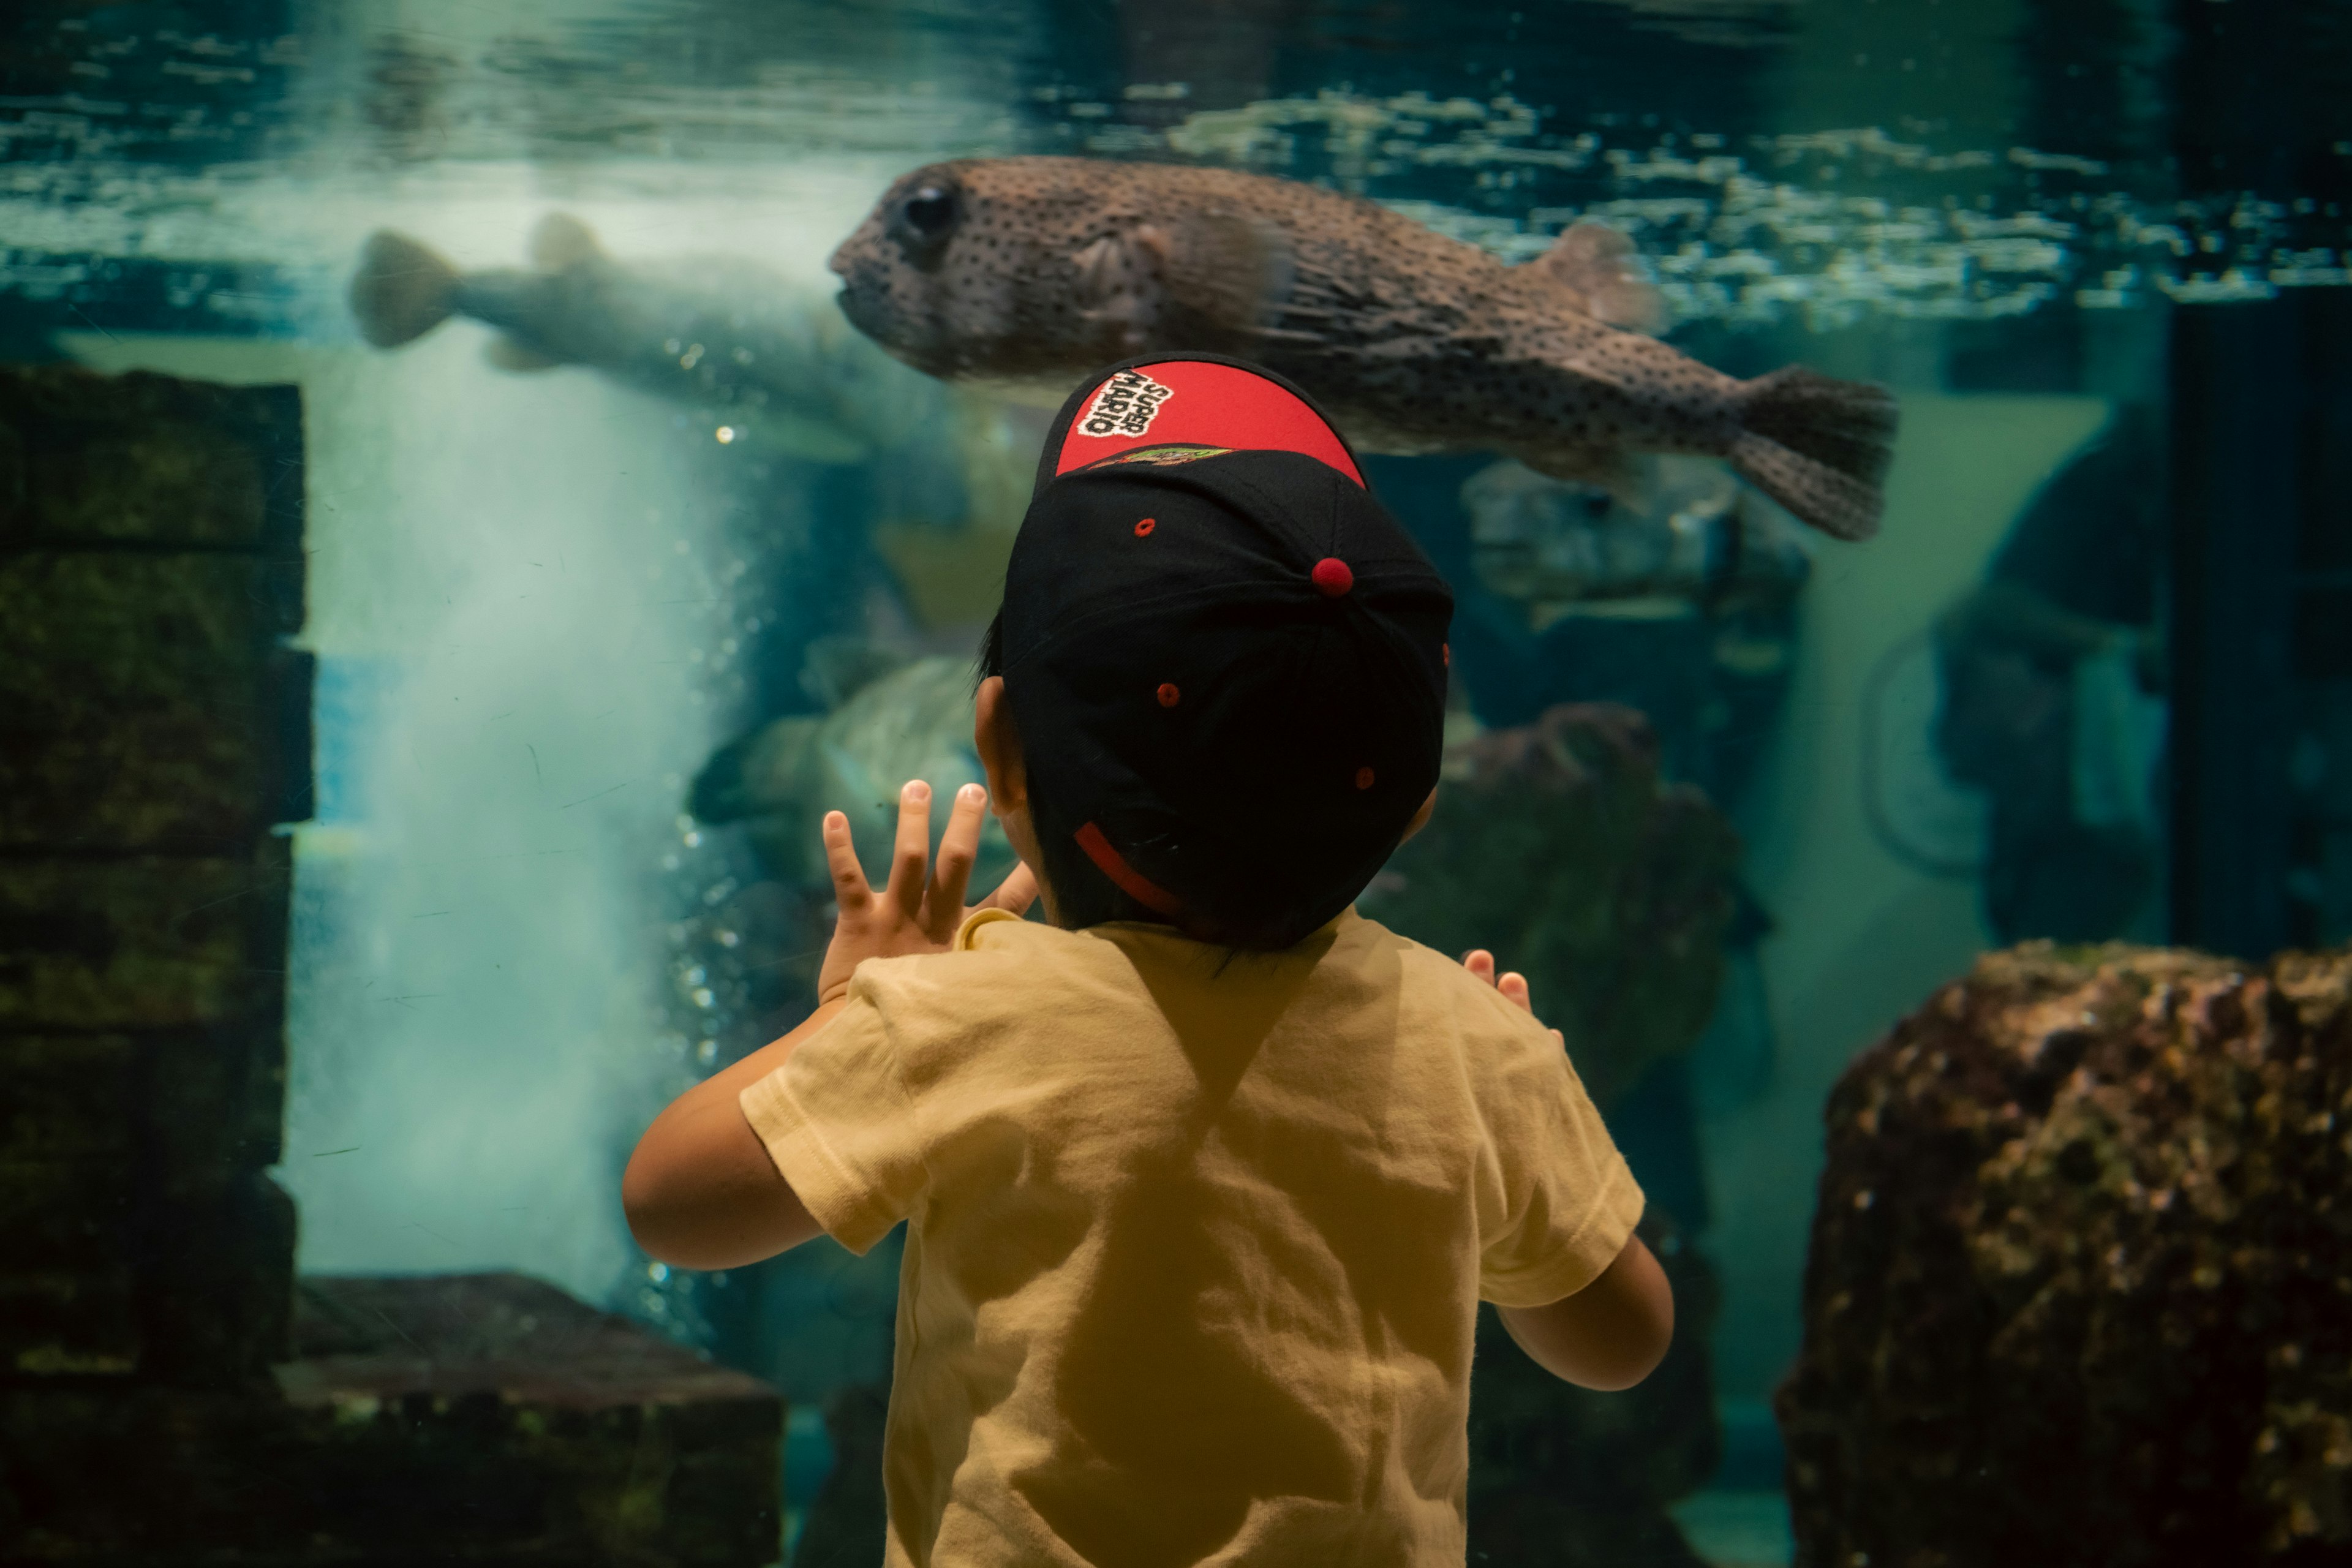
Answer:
[(1332, 577)]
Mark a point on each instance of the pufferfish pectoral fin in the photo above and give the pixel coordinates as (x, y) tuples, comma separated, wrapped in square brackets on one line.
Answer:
[(1119, 284), (1600, 266), (559, 240), (1228, 271), (1208, 279)]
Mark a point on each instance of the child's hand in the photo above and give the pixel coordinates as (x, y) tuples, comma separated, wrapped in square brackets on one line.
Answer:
[(1514, 985), (909, 915)]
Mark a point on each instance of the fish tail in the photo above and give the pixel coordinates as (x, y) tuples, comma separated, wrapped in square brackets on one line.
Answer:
[(1818, 446), (401, 289)]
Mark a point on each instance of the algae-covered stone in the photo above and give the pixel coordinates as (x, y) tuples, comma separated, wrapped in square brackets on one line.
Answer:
[(2081, 1282), (153, 728), (145, 942), (149, 460), (107, 1279), (487, 1420), (151, 569), (146, 703)]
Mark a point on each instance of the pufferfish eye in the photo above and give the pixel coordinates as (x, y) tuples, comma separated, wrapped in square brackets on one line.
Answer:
[(923, 221), (929, 211)]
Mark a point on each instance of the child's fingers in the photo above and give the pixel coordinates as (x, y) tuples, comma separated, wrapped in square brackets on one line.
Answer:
[(849, 888), (1017, 892), (959, 848), (910, 856), (1514, 987), (1480, 963)]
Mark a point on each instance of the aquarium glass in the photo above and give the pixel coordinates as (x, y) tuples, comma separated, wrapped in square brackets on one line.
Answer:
[(618, 555)]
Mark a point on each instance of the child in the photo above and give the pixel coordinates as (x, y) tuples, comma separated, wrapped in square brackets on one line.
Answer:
[(1206, 1177)]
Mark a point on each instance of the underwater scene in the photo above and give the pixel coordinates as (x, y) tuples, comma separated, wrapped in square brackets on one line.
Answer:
[(482, 484)]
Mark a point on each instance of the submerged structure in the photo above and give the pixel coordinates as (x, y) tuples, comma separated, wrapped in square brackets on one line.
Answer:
[(2081, 1280), (154, 1341)]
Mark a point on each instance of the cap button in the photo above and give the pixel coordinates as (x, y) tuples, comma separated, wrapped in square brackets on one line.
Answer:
[(1332, 577)]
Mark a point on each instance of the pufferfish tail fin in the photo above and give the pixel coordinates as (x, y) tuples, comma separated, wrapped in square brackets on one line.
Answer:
[(401, 289), (1600, 268), (1818, 446)]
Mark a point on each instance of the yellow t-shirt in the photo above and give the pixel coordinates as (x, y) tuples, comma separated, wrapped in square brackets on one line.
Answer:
[(1197, 1240)]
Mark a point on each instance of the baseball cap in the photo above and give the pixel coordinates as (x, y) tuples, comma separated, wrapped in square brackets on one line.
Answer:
[(1225, 659)]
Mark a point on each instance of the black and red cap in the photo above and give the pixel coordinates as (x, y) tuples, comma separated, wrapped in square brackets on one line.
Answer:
[(1225, 659)]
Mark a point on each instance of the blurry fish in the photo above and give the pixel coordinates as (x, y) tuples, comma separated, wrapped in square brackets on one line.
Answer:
[(1700, 540), (705, 330), (1036, 270), (892, 719)]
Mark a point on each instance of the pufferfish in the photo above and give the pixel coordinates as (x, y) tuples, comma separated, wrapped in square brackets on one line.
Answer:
[(1031, 272)]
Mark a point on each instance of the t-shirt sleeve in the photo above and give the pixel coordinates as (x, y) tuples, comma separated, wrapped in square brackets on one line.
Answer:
[(1564, 1202), (839, 1124)]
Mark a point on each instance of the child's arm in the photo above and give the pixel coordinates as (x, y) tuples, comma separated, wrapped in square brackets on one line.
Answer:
[(1612, 1333), (700, 1191)]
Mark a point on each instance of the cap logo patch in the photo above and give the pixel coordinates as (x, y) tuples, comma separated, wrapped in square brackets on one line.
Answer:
[(1125, 405)]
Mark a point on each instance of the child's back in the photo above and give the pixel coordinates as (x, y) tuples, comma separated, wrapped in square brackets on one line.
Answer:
[(1197, 1240), (1203, 1180)]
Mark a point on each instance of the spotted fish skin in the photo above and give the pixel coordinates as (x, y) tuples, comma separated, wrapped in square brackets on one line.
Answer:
[(1037, 270)]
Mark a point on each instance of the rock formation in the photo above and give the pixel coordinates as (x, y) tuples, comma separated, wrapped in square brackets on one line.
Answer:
[(169, 1393), (1557, 844), (2080, 1289)]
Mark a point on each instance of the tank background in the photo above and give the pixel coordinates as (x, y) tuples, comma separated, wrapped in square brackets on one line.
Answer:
[(1857, 938)]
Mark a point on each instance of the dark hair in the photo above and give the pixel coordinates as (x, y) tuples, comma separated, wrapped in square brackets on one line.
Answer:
[(1082, 895)]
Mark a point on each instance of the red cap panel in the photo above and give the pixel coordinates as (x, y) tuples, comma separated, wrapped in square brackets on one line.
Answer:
[(1197, 403)]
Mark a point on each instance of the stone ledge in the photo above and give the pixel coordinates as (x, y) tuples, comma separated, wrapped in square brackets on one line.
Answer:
[(105, 1281), (486, 1419)]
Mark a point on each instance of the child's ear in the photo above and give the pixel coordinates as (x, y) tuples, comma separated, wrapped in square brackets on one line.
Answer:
[(1421, 818), (999, 745)]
